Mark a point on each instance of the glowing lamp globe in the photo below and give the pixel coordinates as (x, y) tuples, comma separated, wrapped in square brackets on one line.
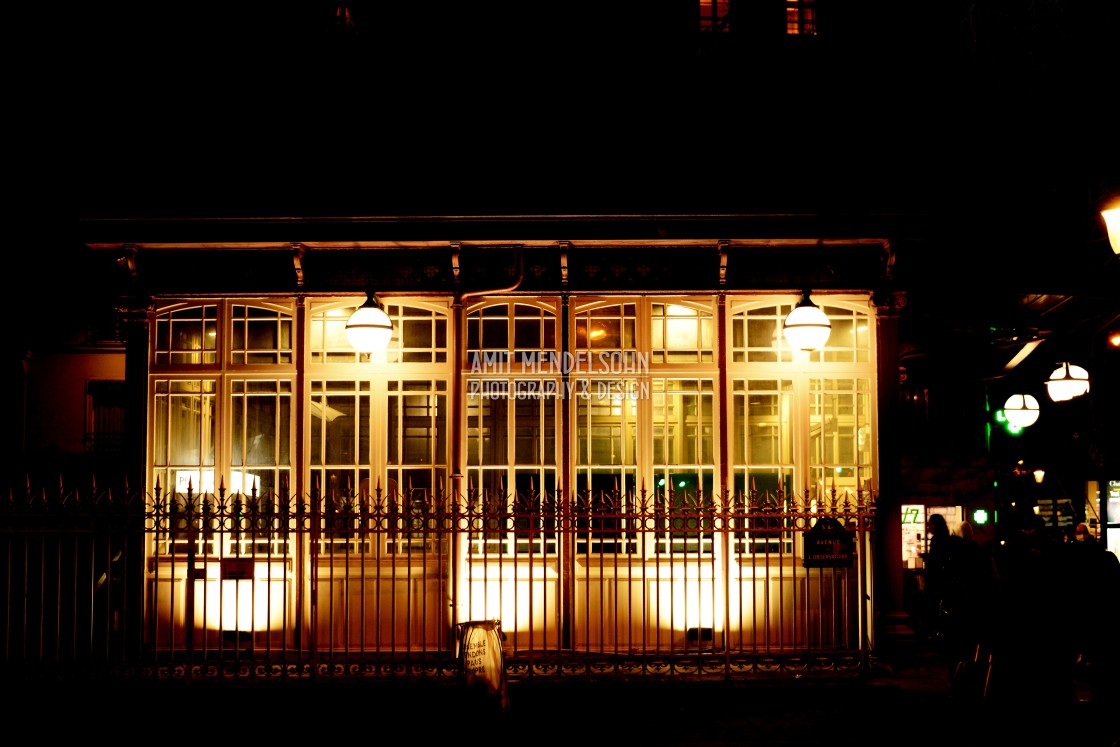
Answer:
[(369, 328), (1067, 381), (806, 327), (1112, 225), (1021, 410)]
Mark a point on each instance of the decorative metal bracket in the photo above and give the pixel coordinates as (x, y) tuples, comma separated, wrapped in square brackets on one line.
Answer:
[(455, 246), (127, 260), (888, 303), (297, 262), (722, 244), (564, 247)]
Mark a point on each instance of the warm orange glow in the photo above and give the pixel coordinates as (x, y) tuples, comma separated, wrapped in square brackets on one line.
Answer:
[(713, 15), (242, 605), (687, 600), (1111, 217), (512, 595), (800, 18)]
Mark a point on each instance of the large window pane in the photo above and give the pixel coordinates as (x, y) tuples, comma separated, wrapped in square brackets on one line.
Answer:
[(840, 444), (185, 425), (340, 435), (681, 334), (187, 336), (261, 433), (683, 433), (419, 336), (260, 335)]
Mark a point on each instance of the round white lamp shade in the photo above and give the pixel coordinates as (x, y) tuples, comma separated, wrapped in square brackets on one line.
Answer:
[(806, 327), (369, 328), (1067, 381), (1112, 225), (1021, 410)]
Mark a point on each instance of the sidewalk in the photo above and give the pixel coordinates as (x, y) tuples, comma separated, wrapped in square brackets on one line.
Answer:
[(909, 704)]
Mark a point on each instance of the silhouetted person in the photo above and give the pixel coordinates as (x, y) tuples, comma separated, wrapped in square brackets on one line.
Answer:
[(1094, 575), (1083, 559), (972, 584), (1032, 651), (939, 578)]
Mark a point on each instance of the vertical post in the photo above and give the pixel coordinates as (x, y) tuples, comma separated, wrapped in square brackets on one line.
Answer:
[(193, 520), (136, 319), (723, 545), (564, 500), (887, 548), (299, 547), (456, 587), (313, 516), (1105, 401)]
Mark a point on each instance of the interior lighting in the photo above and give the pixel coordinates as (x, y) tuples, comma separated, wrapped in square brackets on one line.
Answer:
[(369, 328), (806, 327), (1021, 410), (1067, 381)]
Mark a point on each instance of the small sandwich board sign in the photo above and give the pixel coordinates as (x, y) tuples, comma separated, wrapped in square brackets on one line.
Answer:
[(827, 545), (482, 660)]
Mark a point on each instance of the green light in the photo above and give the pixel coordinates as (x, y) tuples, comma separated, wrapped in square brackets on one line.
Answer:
[(1000, 418), (680, 484), (980, 517)]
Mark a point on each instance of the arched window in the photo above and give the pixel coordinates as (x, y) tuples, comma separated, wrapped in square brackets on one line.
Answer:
[(801, 423), (380, 426), (231, 430), (186, 335), (513, 401)]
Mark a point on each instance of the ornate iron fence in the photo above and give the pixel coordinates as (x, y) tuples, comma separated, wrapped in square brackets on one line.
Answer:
[(382, 585)]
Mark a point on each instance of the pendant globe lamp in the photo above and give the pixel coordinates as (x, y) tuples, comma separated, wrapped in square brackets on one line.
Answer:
[(1067, 381), (1021, 410), (369, 328), (806, 327), (1111, 217)]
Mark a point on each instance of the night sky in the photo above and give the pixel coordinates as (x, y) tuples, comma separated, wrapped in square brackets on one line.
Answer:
[(571, 108)]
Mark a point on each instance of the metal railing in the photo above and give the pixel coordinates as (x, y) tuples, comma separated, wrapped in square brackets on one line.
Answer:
[(221, 584)]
